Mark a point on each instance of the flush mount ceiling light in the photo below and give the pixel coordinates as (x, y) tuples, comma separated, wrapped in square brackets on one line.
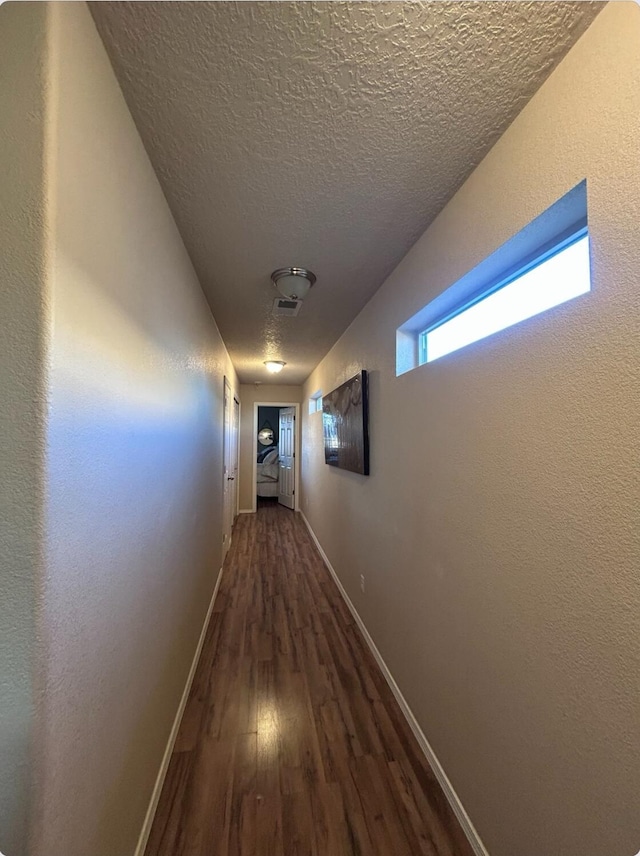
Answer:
[(274, 366), (293, 282)]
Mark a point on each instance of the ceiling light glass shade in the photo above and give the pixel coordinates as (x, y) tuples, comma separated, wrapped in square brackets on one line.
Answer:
[(274, 366), (293, 282)]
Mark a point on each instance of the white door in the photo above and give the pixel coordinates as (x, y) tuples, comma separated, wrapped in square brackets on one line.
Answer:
[(235, 428), (287, 453), (227, 471)]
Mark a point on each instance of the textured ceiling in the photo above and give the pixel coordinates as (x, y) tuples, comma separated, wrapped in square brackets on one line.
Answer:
[(326, 135)]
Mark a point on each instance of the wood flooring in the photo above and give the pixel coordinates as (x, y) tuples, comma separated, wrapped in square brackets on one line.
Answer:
[(292, 743)]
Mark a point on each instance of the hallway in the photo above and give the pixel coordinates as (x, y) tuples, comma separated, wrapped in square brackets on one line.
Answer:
[(291, 742)]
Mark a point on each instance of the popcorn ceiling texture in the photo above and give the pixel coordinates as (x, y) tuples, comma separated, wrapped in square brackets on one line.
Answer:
[(327, 135)]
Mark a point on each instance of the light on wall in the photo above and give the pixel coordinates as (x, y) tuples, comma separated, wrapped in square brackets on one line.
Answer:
[(274, 366), (293, 282)]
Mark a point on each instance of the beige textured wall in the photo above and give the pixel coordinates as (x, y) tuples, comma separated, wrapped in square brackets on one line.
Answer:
[(249, 394), (22, 396), (499, 531), (134, 463)]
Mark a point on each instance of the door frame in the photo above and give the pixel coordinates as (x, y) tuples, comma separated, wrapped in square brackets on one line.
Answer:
[(237, 460), (228, 413), (296, 469)]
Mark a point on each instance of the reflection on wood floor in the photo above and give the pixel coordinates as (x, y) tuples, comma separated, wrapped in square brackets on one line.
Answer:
[(292, 743)]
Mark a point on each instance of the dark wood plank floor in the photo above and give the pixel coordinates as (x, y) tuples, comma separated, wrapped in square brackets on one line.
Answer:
[(291, 743)]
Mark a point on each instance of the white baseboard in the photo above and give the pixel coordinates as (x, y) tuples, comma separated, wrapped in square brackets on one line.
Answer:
[(246, 511), (454, 801), (164, 766)]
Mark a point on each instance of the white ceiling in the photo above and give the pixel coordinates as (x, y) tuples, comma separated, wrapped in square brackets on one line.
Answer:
[(321, 134)]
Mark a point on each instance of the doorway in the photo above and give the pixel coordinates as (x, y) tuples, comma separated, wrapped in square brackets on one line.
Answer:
[(231, 423), (276, 457)]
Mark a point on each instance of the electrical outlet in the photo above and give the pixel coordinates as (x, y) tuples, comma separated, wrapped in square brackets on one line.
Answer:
[(362, 582)]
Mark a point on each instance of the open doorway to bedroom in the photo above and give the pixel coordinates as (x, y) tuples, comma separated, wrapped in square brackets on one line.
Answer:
[(276, 454)]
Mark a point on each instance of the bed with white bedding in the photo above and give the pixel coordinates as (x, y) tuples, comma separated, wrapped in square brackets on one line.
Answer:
[(268, 473)]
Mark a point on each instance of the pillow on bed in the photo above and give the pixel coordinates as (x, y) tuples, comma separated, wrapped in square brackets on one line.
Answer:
[(271, 457), (264, 452)]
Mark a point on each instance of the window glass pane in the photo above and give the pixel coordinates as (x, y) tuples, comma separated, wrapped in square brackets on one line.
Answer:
[(560, 278), (315, 402)]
